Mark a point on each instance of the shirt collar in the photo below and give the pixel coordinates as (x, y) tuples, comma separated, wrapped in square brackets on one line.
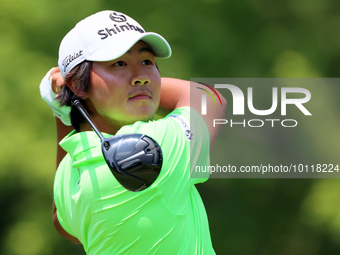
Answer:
[(76, 143)]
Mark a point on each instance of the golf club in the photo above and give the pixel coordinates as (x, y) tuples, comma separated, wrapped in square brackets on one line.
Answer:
[(135, 160)]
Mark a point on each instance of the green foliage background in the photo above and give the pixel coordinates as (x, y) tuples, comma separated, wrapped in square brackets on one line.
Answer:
[(209, 38)]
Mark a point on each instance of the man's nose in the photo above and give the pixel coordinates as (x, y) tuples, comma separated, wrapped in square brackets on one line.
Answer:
[(141, 81)]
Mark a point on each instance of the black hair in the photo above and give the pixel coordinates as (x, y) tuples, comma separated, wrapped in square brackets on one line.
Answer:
[(80, 78)]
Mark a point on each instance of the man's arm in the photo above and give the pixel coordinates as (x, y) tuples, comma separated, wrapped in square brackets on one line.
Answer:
[(62, 131), (175, 93)]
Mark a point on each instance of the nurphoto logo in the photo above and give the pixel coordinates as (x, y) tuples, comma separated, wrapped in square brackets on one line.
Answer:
[(238, 103)]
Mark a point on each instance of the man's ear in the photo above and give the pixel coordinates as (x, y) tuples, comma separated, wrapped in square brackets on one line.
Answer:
[(81, 94)]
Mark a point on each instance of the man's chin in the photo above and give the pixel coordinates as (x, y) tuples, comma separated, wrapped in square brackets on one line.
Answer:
[(143, 115)]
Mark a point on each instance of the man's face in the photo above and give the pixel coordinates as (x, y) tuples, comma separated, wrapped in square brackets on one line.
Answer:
[(126, 89)]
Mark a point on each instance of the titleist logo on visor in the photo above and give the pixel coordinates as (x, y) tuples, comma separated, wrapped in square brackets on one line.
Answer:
[(106, 32), (71, 58)]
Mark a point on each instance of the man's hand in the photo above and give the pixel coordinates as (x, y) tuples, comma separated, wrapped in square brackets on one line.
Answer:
[(57, 80), (50, 85)]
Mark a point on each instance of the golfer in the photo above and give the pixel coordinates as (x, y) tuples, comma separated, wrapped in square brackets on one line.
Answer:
[(108, 62)]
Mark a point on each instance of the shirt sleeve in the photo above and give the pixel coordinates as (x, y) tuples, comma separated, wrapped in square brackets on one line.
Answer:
[(184, 140)]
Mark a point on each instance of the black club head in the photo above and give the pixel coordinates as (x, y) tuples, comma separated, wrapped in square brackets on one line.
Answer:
[(134, 159)]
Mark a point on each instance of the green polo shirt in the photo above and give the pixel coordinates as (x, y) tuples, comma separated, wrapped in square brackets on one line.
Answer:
[(166, 218)]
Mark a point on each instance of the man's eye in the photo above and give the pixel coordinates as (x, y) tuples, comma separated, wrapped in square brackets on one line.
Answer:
[(119, 63), (147, 62)]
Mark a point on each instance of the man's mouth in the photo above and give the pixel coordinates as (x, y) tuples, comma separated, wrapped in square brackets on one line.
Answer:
[(140, 95)]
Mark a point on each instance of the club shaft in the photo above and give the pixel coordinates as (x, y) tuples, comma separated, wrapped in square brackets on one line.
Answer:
[(83, 111)]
